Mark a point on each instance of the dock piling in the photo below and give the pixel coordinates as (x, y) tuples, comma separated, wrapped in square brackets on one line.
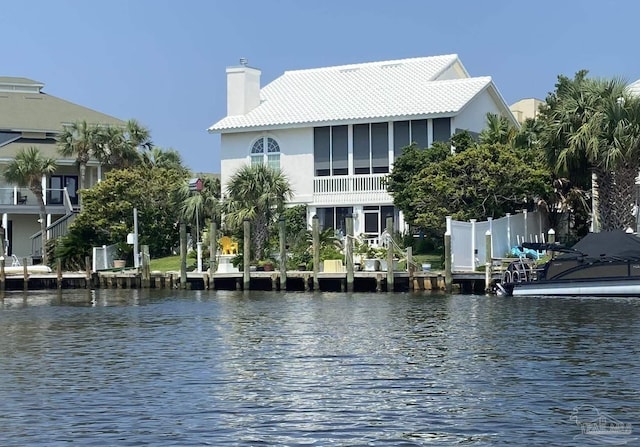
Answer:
[(448, 276), (316, 252), (246, 253), (183, 255), (283, 253), (389, 231), (349, 252)]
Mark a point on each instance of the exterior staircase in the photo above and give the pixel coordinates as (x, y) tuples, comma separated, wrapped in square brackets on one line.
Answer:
[(57, 229)]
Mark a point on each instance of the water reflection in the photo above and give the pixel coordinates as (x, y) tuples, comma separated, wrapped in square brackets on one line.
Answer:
[(138, 367)]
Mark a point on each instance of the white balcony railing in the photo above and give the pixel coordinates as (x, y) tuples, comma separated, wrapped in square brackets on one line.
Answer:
[(351, 189), (23, 196)]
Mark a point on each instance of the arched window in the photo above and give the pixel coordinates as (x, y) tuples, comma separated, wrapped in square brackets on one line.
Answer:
[(270, 156)]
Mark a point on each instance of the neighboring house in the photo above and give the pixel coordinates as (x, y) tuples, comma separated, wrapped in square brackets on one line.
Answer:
[(336, 131), (30, 117), (526, 108)]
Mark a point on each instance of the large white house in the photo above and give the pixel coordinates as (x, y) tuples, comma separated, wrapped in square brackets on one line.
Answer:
[(336, 131)]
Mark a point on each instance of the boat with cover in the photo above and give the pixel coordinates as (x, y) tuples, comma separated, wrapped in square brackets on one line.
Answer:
[(601, 264)]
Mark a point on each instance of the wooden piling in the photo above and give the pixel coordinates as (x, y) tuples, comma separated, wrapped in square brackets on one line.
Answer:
[(246, 255), (551, 239), (390, 277), (488, 261), (146, 268), (283, 254), (59, 273), (87, 268), (183, 255), (306, 283), (443, 284), (25, 273), (410, 268), (2, 272), (213, 252), (316, 252), (448, 274), (349, 252)]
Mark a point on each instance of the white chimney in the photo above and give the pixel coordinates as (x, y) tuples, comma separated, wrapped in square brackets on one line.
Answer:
[(243, 89)]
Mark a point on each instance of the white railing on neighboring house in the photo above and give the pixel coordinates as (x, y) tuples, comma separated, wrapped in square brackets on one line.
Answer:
[(468, 239), (350, 189), (57, 229), (15, 195)]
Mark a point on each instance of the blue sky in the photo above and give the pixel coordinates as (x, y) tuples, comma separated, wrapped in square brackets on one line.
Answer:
[(163, 62)]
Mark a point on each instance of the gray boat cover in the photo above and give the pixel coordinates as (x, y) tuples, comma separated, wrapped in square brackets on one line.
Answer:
[(607, 245)]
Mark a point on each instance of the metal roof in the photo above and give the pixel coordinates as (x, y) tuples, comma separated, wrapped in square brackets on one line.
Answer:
[(378, 90), (30, 111)]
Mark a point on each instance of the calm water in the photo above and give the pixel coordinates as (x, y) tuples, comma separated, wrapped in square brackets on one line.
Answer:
[(171, 368)]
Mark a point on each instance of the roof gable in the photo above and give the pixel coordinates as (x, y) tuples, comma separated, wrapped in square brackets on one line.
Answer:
[(634, 88), (377, 90)]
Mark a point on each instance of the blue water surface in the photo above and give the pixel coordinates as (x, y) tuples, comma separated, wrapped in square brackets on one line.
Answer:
[(193, 368)]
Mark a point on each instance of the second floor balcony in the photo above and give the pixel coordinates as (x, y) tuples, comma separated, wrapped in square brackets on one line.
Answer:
[(351, 189), (24, 201)]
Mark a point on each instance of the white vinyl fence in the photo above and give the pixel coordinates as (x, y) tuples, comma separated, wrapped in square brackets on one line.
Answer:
[(468, 246), (103, 257)]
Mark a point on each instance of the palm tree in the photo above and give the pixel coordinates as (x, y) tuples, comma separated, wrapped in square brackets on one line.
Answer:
[(563, 113), (114, 146), (164, 158), (27, 170), (593, 133), (499, 130), (612, 134), (82, 141), (257, 193), (137, 135), (123, 147), (201, 206), (115, 150)]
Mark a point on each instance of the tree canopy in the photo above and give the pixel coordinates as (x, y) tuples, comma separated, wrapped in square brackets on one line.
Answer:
[(107, 216), (486, 180)]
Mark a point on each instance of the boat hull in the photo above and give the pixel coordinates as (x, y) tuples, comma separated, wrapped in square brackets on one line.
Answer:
[(595, 287)]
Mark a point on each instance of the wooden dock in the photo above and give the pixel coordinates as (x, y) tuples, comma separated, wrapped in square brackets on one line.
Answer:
[(363, 281)]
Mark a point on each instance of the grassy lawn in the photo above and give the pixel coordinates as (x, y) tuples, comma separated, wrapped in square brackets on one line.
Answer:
[(170, 263), (435, 259)]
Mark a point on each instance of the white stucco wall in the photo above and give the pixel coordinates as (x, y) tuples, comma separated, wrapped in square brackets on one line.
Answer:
[(296, 157), (23, 227), (474, 116)]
